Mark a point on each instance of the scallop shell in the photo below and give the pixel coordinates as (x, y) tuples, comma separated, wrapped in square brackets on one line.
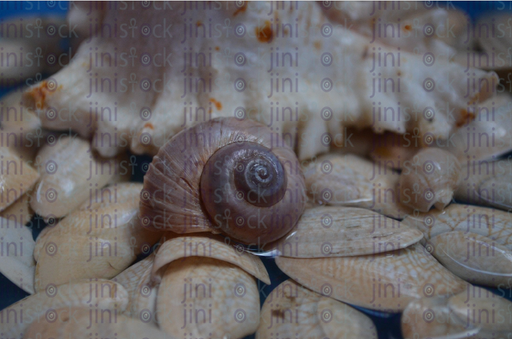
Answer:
[(290, 309), (330, 231), (16, 250), (98, 240), (386, 281), (348, 180), (79, 323), (94, 295), (473, 257), (70, 174)]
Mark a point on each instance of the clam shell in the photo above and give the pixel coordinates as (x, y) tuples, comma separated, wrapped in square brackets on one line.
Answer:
[(348, 180), (330, 231), (207, 247), (206, 297), (79, 323), (290, 309), (70, 174), (16, 177), (136, 279), (16, 250), (97, 240), (473, 257), (432, 318), (488, 222), (94, 295), (481, 308), (386, 281)]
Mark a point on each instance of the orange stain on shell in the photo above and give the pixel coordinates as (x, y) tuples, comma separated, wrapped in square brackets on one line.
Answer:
[(218, 104), (265, 33)]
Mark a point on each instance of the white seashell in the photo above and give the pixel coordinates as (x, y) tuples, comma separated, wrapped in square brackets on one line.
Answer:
[(206, 297), (291, 309), (70, 174), (79, 323), (98, 240), (473, 257), (430, 180), (207, 246), (156, 113), (16, 250), (16, 118), (386, 281), (136, 279), (348, 180), (94, 295), (16, 177), (488, 222), (19, 211), (330, 231)]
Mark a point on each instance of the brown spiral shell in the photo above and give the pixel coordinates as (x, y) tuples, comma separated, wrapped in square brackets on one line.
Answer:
[(225, 175)]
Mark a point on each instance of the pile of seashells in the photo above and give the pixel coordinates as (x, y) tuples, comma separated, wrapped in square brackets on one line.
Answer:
[(358, 146)]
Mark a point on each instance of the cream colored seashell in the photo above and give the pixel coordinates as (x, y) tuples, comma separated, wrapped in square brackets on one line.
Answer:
[(487, 183), (16, 177), (432, 318), (156, 113), (473, 257), (206, 246), (16, 250), (97, 240), (487, 136), (291, 309), (206, 297), (348, 180), (70, 174), (386, 281), (331, 231), (430, 180), (79, 323), (481, 308), (393, 150), (19, 211), (136, 279), (488, 222), (94, 295), (495, 42)]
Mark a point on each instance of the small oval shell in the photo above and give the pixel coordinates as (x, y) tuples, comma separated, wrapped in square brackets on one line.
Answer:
[(97, 240), (95, 295), (290, 309), (473, 257), (207, 297), (430, 180), (79, 323), (348, 180), (17, 252), (386, 281), (70, 174), (330, 231)]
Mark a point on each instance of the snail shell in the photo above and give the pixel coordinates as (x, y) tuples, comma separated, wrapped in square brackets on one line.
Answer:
[(225, 175)]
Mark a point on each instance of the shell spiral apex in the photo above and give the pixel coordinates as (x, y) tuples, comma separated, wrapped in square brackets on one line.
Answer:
[(225, 175)]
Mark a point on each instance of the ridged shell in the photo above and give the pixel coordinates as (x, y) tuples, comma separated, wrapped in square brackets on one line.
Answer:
[(330, 231), (70, 174), (386, 281), (291, 309), (98, 240), (94, 295), (348, 180)]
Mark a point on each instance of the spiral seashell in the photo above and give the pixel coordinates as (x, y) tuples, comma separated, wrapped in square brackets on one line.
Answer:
[(226, 175)]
